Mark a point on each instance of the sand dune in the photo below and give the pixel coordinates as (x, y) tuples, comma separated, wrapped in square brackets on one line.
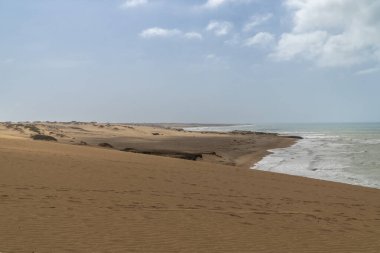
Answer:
[(58, 197), (237, 149)]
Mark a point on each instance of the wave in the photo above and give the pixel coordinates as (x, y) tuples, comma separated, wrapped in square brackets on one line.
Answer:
[(346, 153), (319, 158)]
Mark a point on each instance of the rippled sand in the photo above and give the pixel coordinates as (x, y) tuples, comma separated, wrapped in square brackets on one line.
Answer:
[(68, 198)]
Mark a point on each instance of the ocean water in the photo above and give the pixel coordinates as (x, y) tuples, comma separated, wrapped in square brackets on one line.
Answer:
[(346, 153)]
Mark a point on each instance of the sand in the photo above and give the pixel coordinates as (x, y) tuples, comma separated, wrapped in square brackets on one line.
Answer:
[(60, 197), (239, 149)]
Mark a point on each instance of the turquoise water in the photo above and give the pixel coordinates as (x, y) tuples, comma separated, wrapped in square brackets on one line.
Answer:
[(347, 152)]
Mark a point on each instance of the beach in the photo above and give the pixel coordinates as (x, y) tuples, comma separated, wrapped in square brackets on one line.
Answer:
[(338, 152), (150, 188)]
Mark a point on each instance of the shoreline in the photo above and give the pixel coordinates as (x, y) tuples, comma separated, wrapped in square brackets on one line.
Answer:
[(342, 179), (276, 156), (181, 145)]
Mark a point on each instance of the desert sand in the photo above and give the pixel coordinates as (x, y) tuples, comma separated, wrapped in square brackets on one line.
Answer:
[(74, 196)]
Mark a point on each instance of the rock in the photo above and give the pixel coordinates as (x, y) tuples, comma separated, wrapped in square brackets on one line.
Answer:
[(41, 137), (167, 153), (105, 145)]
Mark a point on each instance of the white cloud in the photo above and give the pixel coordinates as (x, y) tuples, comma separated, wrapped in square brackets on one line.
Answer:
[(306, 45), (234, 40), (133, 3), (193, 36), (262, 39), (257, 20), (211, 57), (368, 71), (220, 28), (215, 62), (159, 32), (332, 32), (214, 4)]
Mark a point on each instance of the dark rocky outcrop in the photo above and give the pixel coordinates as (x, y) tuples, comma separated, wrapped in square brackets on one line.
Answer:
[(241, 132), (167, 153), (41, 137), (105, 145), (294, 137)]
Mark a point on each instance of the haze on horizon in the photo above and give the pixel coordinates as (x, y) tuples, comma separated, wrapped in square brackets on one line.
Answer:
[(219, 61)]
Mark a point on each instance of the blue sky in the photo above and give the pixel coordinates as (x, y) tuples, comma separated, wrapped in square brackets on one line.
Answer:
[(210, 61)]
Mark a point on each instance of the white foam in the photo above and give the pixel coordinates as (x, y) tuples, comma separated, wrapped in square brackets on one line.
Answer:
[(317, 157), (340, 153), (368, 141)]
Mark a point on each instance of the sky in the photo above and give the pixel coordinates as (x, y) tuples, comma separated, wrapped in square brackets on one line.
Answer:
[(204, 61)]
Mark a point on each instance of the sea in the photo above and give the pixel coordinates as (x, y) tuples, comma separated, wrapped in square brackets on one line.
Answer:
[(345, 152)]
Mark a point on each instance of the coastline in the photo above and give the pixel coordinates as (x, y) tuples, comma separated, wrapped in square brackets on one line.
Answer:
[(84, 198), (344, 153), (236, 148)]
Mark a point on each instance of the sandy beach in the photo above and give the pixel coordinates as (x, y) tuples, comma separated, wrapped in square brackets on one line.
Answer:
[(140, 188)]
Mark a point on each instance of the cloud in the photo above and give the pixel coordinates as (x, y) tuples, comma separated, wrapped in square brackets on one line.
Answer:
[(306, 45), (368, 71), (262, 39), (256, 20), (332, 33), (159, 32), (211, 57), (234, 40), (133, 3), (215, 62), (220, 28), (193, 36), (214, 4)]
